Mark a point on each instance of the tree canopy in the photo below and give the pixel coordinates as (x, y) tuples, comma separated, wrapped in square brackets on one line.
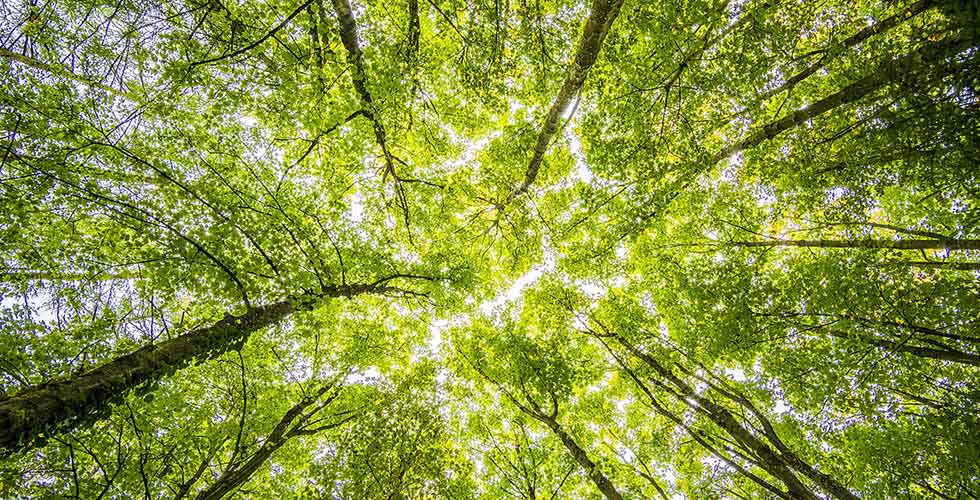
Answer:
[(532, 249)]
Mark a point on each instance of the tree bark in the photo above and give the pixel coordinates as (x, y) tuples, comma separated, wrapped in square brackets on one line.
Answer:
[(27, 418), (773, 462), (238, 474), (853, 40), (953, 356), (533, 410), (891, 244), (922, 61), (60, 71), (348, 35), (698, 436), (598, 478), (601, 17), (952, 266)]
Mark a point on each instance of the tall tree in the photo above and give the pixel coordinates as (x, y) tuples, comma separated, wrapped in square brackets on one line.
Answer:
[(688, 248)]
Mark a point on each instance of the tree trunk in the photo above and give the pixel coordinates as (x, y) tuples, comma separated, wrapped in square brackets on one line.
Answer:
[(30, 416), (698, 436), (60, 71), (950, 355), (598, 478), (601, 17), (940, 264), (909, 66), (768, 458), (581, 457), (238, 473), (853, 40), (891, 244), (355, 57)]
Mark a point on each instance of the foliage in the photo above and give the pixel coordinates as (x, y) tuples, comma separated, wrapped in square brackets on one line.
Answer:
[(446, 249)]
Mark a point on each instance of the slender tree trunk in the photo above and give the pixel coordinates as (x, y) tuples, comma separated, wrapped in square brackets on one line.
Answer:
[(58, 70), (853, 40), (27, 275), (927, 61), (355, 56), (891, 244), (289, 426), (31, 415), (826, 482), (581, 457), (951, 355), (601, 18), (773, 462), (598, 478), (952, 266)]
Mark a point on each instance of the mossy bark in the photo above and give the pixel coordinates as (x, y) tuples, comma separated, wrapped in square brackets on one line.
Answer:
[(31, 415)]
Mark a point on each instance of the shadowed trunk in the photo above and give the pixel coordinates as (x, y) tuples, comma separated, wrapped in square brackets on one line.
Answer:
[(293, 423), (951, 355), (27, 418), (533, 410), (852, 41), (927, 62), (778, 462), (892, 244)]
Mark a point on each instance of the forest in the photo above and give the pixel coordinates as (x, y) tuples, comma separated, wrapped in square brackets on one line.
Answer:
[(454, 249)]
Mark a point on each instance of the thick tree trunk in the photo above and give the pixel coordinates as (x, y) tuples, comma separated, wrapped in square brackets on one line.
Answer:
[(39, 411), (355, 56), (47, 408), (414, 30), (601, 17), (892, 244)]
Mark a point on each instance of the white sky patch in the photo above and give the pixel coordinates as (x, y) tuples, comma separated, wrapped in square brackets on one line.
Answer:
[(516, 290), (734, 10), (470, 152), (582, 171), (622, 251), (737, 374), (248, 121), (367, 376), (735, 162), (356, 212), (836, 193), (514, 104), (435, 334), (764, 195), (621, 404), (781, 408), (591, 289)]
